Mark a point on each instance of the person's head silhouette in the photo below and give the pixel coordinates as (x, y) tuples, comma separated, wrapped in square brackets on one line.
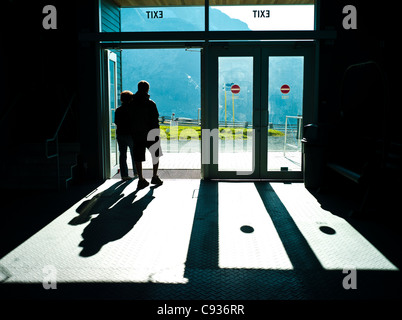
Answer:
[(143, 86), (126, 96)]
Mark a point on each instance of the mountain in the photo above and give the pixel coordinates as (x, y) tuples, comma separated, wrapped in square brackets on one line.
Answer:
[(176, 19), (175, 74)]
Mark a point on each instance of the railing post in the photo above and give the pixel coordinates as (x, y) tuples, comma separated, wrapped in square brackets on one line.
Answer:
[(56, 140), (286, 133), (58, 163)]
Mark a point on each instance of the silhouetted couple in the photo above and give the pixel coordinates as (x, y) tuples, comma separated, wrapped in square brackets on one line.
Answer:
[(137, 121)]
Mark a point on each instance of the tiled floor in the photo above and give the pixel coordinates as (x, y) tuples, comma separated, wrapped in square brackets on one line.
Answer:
[(192, 239), (241, 162)]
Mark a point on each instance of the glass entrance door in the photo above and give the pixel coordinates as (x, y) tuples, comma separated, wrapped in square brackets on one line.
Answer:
[(235, 114), (285, 113), (259, 98), (112, 106)]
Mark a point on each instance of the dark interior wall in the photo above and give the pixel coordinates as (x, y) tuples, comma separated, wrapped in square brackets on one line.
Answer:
[(111, 22), (36, 63), (39, 66), (88, 92), (31, 54), (367, 138), (374, 39)]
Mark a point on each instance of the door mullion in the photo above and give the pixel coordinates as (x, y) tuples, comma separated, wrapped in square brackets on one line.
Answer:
[(263, 114)]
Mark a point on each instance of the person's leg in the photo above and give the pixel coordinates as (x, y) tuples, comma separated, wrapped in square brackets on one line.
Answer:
[(155, 150), (139, 156), (138, 166), (130, 144), (142, 182), (155, 169), (123, 156)]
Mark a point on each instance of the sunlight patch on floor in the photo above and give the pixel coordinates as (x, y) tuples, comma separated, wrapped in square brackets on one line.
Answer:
[(334, 241), (259, 245), (152, 249)]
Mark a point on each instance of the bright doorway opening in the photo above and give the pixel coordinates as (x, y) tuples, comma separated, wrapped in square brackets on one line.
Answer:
[(174, 76)]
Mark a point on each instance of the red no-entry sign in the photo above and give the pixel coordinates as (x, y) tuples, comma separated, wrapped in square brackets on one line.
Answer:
[(235, 88), (285, 89)]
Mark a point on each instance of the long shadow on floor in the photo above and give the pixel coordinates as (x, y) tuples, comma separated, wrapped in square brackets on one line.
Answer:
[(116, 214)]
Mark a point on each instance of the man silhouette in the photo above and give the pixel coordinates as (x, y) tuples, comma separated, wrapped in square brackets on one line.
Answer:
[(123, 134), (144, 119)]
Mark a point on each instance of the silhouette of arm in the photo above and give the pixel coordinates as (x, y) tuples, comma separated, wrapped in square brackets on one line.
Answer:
[(154, 116)]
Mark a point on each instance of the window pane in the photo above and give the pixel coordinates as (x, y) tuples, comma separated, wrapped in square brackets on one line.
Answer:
[(187, 15), (112, 105), (285, 109), (245, 15), (191, 18), (235, 92)]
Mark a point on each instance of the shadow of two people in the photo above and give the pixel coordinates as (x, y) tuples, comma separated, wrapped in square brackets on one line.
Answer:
[(117, 215)]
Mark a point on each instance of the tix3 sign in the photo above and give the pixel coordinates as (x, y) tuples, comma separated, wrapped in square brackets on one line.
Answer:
[(154, 14), (261, 13)]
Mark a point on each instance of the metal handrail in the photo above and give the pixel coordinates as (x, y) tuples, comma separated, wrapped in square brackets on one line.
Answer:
[(55, 138), (286, 131)]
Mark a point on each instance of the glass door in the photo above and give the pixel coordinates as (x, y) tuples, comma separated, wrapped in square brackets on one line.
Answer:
[(113, 104), (235, 114), (258, 102), (286, 97), (229, 134)]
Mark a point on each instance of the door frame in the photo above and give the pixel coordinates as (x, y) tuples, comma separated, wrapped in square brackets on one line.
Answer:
[(309, 49), (105, 51), (211, 121), (260, 51), (108, 170)]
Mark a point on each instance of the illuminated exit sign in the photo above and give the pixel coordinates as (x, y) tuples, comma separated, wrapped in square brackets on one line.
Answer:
[(273, 17), (261, 13)]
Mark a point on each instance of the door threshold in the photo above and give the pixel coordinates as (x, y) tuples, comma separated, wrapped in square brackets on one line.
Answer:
[(259, 180), (168, 173)]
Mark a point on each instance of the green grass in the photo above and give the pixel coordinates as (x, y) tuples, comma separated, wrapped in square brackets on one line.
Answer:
[(194, 132), (275, 133)]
